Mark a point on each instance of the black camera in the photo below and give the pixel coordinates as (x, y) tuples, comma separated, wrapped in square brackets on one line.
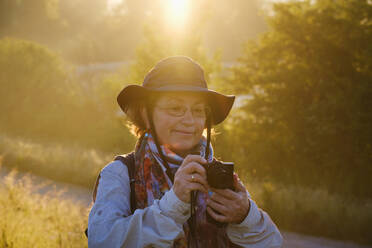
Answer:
[(219, 176)]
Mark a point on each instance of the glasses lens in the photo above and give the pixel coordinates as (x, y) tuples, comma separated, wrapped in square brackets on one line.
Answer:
[(199, 111), (175, 110), (179, 110)]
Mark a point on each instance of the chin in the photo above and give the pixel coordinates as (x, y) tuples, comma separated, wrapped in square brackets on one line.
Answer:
[(183, 146)]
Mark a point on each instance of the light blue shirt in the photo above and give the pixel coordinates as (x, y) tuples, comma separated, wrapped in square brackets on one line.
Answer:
[(111, 224)]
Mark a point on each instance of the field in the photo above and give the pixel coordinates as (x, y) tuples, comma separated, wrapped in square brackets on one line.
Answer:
[(50, 221)]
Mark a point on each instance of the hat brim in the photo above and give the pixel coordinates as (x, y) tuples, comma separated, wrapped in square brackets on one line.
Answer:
[(220, 104)]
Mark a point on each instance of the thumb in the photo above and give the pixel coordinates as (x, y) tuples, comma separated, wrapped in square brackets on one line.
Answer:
[(238, 184)]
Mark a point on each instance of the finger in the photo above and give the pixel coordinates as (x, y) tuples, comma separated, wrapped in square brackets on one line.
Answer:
[(196, 178), (193, 158), (216, 216), (239, 186), (227, 193), (220, 199), (194, 167), (222, 209), (196, 186)]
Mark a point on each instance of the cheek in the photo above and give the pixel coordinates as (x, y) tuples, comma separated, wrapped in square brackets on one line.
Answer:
[(201, 125), (163, 126), (199, 130)]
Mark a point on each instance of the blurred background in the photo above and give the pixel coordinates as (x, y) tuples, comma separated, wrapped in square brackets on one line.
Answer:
[(300, 132)]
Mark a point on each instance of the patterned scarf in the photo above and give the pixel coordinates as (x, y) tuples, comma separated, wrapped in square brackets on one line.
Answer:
[(152, 182)]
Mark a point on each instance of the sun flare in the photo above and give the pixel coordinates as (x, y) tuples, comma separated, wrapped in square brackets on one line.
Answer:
[(177, 12)]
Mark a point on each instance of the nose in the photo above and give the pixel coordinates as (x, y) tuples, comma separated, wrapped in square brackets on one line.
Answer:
[(188, 118)]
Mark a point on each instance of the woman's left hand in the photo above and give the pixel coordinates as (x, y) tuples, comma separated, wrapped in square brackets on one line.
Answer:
[(229, 206)]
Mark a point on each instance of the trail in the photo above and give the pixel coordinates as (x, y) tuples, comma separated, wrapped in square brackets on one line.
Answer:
[(82, 196), (78, 194)]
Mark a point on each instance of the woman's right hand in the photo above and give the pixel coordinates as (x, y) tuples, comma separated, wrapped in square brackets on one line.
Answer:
[(190, 176)]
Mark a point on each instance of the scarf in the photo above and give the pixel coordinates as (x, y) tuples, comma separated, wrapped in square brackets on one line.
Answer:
[(152, 182)]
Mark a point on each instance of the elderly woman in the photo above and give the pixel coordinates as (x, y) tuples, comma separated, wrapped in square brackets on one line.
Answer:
[(159, 196)]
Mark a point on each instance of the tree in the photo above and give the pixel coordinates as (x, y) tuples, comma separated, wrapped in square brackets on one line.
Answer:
[(41, 99), (35, 87), (310, 77)]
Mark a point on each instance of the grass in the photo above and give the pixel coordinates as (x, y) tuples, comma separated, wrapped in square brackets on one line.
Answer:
[(315, 211), (28, 219), (298, 209), (66, 164)]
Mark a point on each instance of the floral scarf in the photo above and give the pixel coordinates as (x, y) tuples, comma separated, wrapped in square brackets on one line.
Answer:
[(152, 182)]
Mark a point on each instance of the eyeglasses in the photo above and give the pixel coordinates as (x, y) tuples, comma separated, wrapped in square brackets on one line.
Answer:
[(178, 110)]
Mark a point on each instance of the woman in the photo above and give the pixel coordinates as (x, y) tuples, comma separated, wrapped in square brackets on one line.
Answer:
[(170, 111)]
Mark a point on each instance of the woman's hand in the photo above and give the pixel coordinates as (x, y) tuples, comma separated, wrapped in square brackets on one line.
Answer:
[(190, 176), (229, 206)]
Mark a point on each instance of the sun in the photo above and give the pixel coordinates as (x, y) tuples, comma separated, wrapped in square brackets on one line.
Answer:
[(177, 12)]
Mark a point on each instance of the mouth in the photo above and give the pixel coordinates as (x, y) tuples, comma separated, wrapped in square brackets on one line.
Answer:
[(181, 132)]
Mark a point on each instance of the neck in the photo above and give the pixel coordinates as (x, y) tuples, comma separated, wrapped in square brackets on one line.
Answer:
[(184, 153)]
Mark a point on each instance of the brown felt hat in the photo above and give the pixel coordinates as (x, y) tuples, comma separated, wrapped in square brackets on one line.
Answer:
[(177, 74)]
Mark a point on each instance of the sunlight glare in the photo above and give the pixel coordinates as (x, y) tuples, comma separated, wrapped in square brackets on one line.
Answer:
[(177, 12), (111, 4)]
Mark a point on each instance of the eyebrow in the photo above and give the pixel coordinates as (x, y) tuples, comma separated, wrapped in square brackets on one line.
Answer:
[(172, 98)]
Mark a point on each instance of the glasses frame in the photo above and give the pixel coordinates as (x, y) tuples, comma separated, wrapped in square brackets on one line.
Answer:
[(168, 111)]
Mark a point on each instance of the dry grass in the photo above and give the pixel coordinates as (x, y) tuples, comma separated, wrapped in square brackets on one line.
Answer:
[(67, 164), (28, 219)]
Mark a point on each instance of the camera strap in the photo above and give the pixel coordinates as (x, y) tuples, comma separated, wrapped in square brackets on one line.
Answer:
[(194, 194), (192, 222)]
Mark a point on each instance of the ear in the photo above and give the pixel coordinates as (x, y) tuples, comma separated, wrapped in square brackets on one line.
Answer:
[(144, 117)]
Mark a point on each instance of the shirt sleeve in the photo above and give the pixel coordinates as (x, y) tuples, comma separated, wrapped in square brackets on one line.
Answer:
[(257, 230), (111, 223)]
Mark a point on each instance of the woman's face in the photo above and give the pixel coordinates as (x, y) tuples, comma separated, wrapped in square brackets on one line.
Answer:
[(179, 120)]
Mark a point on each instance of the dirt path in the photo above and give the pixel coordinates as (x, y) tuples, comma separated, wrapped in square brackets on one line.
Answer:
[(78, 194), (82, 196)]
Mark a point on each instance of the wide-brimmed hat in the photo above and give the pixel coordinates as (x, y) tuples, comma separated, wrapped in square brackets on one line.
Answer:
[(177, 74)]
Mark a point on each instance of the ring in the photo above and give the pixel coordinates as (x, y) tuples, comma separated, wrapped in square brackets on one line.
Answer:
[(192, 177)]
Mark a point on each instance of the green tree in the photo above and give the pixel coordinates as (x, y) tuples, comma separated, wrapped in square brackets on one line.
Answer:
[(35, 87), (41, 99), (309, 120)]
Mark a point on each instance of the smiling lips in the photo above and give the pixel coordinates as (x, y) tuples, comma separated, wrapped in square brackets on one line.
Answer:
[(188, 133)]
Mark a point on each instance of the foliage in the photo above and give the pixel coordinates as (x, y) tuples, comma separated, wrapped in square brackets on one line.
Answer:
[(68, 26), (310, 120), (92, 31), (314, 211), (44, 100), (31, 76)]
